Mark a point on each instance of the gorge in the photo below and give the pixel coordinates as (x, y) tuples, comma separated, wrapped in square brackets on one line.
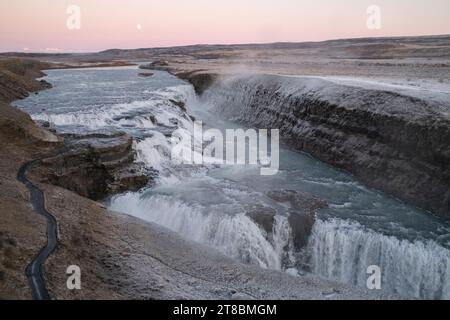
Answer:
[(304, 220), (362, 181)]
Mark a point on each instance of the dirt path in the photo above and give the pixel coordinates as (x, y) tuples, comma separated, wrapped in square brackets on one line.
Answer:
[(34, 269)]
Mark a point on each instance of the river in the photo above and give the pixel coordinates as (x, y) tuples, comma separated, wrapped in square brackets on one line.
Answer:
[(208, 204)]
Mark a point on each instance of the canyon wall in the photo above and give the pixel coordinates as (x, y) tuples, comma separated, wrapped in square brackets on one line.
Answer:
[(392, 142)]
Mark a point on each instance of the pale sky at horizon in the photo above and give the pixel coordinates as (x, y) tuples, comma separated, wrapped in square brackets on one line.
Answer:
[(40, 25)]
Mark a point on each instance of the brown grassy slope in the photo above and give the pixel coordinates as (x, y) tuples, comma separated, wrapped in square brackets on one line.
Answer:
[(22, 231)]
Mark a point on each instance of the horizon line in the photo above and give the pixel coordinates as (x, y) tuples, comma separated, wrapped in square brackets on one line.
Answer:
[(57, 52)]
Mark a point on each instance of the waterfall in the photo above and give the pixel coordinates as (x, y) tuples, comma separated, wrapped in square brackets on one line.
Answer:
[(237, 236), (209, 204), (342, 250)]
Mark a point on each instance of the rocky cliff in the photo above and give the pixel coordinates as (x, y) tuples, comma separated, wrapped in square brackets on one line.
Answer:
[(18, 78), (94, 166), (390, 141)]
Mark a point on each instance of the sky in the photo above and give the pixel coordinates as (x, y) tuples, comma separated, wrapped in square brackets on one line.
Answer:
[(42, 25)]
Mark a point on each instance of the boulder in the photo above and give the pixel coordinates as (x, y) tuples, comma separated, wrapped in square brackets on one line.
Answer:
[(154, 65), (179, 104), (145, 74)]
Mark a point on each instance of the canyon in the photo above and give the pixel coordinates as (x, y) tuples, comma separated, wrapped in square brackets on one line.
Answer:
[(377, 109), (121, 257)]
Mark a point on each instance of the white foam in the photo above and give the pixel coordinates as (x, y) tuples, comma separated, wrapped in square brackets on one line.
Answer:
[(342, 251), (236, 236)]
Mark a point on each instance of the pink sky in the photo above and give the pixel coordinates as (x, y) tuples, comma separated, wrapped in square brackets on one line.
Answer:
[(40, 25)]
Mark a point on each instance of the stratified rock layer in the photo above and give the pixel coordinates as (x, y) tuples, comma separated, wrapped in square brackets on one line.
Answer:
[(95, 166)]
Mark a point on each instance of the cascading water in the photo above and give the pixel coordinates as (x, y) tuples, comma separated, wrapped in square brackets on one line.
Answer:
[(211, 204), (363, 229), (235, 235), (342, 250)]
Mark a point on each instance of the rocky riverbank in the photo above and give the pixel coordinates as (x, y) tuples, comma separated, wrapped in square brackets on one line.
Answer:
[(18, 78), (94, 166)]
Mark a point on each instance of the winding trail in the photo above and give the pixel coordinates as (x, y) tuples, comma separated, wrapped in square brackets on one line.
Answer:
[(34, 269)]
